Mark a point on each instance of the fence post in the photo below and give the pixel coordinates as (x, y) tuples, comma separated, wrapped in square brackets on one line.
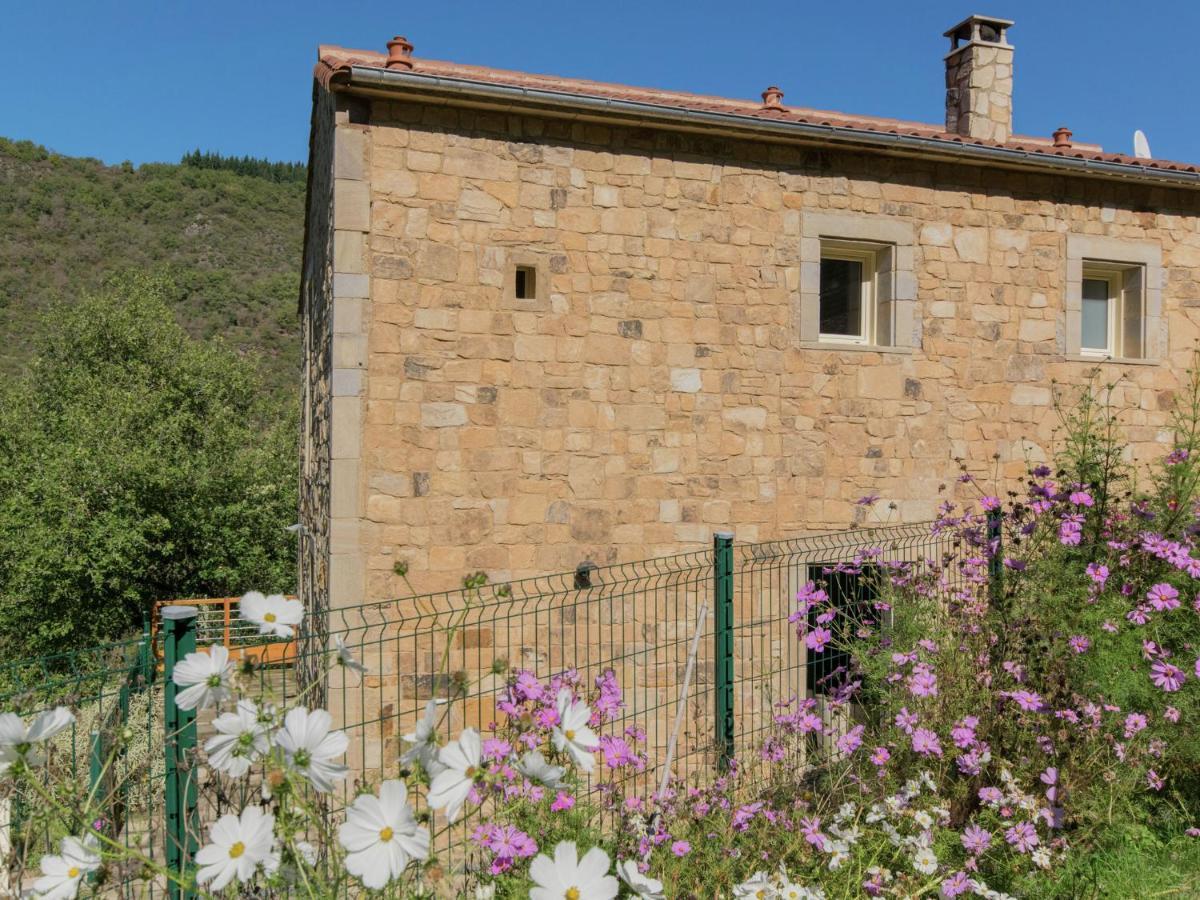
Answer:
[(723, 634), (179, 639), (995, 520)]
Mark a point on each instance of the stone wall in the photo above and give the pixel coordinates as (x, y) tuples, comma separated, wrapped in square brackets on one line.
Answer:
[(316, 331), (654, 390)]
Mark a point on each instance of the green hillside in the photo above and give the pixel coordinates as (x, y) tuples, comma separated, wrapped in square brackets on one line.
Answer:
[(229, 236)]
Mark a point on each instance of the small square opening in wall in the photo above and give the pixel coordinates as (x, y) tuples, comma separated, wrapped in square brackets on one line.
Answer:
[(525, 286)]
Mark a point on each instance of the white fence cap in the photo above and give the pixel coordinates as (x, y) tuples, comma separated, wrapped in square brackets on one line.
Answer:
[(175, 613)]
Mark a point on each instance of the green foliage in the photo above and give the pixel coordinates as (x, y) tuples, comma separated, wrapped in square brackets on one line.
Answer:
[(246, 165), (136, 464), (229, 244)]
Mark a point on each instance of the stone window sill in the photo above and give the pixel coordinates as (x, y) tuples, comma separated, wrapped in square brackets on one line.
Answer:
[(856, 348), (1116, 360)]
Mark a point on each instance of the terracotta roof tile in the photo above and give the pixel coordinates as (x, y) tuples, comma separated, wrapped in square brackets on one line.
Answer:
[(333, 60)]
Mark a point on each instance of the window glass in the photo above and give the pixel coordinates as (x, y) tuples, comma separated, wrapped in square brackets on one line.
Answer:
[(841, 296), (852, 596), (1096, 316)]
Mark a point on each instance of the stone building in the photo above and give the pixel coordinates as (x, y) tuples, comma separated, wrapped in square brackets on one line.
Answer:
[(549, 320)]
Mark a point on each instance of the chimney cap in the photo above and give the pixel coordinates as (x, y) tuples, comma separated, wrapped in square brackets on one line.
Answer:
[(978, 29), (772, 98), (1062, 137), (399, 53)]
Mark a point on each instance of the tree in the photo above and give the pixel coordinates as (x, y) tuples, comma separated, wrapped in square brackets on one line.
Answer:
[(136, 464)]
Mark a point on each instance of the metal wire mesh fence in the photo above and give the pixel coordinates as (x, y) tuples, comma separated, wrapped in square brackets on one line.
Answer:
[(702, 641), (112, 753)]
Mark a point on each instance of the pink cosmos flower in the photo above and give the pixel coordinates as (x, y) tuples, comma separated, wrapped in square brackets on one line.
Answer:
[(681, 848), (1098, 572), (1081, 498), (926, 743), (811, 829), (963, 733), (1166, 676), (880, 756), (1163, 597), (923, 683), (906, 721), (1198, 666), (1134, 722), (1153, 779), (1171, 714), (817, 639), (956, 884), (990, 796), (989, 503), (851, 740), (1079, 643), (975, 839), (562, 801), (1029, 701), (1108, 626), (1023, 836)]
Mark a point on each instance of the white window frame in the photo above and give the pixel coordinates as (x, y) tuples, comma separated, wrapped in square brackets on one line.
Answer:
[(893, 326), (1110, 275), (867, 256), (1140, 334)]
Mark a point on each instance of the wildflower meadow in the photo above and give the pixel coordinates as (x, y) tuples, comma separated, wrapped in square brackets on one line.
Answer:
[(1020, 720)]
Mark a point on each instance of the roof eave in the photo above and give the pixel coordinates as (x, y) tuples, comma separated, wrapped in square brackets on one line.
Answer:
[(466, 92)]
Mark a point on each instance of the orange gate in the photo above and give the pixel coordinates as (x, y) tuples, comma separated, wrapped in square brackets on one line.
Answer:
[(218, 623)]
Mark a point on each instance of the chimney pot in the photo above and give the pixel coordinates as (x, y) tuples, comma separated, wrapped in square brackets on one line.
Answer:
[(399, 53), (772, 98), (1062, 137)]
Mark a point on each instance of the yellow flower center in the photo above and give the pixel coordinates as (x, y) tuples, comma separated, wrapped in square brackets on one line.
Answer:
[(570, 733), (269, 617), (471, 772), (237, 850), (385, 834), (73, 872), (572, 893)]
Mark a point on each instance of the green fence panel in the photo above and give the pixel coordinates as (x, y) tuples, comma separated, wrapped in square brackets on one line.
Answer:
[(723, 646), (179, 627)]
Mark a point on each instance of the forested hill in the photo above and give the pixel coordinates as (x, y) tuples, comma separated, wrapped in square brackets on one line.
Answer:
[(227, 231)]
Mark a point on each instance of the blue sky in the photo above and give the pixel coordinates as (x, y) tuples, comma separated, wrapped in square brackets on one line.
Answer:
[(147, 80)]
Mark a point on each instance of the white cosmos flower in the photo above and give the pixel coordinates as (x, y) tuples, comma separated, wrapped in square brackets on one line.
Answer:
[(534, 767), (423, 738), (204, 677), (62, 873), (381, 835), (309, 746), (239, 845), (924, 861), (569, 876), (241, 739), (461, 763), (643, 886), (276, 615), (19, 742), (485, 892), (346, 658), (572, 732), (839, 852), (759, 886), (790, 891)]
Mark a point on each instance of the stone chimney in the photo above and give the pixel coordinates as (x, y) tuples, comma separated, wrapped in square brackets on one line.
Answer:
[(979, 73)]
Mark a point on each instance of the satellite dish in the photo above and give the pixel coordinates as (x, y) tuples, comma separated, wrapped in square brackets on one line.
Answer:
[(1141, 146)]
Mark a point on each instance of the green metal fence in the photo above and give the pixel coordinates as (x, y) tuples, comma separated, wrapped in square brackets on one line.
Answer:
[(112, 753), (700, 641)]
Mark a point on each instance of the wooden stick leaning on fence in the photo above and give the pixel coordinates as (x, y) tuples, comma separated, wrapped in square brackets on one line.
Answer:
[(683, 698)]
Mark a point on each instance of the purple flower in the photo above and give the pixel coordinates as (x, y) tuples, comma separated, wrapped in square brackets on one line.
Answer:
[(963, 733), (956, 884), (1108, 626), (1023, 836), (1079, 643), (923, 683), (868, 500), (1166, 676), (1176, 456), (880, 756), (817, 639), (906, 721), (681, 848), (1081, 498), (1134, 722), (926, 743), (1050, 776), (811, 829), (1098, 573), (562, 801), (990, 796), (989, 503), (1154, 780), (1171, 714), (975, 839), (1163, 597), (851, 740), (1027, 700)]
